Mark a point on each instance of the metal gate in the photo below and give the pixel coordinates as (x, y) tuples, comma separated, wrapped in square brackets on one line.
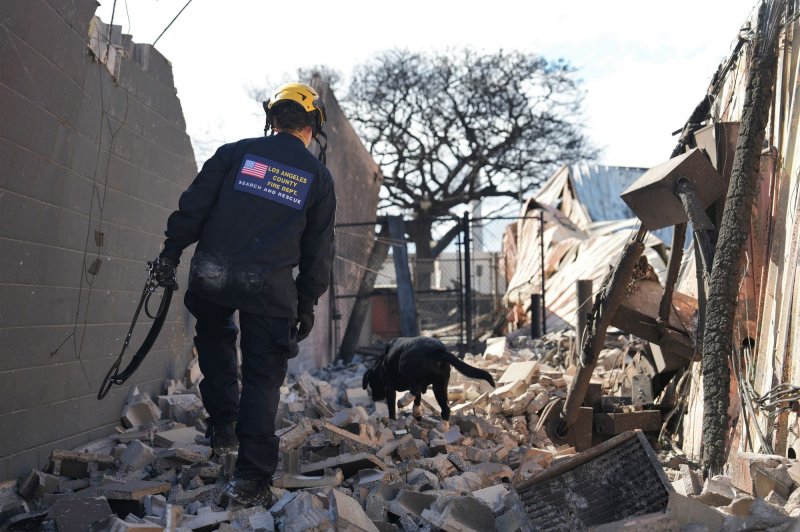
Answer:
[(456, 296)]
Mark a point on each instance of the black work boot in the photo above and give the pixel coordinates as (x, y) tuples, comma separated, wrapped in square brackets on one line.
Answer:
[(247, 493), (222, 438)]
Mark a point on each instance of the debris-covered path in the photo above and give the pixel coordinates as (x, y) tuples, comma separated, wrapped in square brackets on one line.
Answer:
[(346, 466)]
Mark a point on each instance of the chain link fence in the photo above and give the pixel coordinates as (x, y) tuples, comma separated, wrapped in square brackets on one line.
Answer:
[(458, 295)]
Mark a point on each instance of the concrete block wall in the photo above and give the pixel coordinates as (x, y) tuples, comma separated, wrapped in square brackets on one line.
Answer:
[(82, 152)]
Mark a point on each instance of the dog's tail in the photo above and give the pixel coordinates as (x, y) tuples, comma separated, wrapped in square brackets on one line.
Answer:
[(464, 368)]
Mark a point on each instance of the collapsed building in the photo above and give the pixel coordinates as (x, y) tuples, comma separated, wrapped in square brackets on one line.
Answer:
[(558, 445)]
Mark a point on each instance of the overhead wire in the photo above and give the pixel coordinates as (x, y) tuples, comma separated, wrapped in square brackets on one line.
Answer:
[(97, 199), (171, 22)]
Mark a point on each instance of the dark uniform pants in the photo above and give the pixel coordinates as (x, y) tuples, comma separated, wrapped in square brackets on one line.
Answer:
[(266, 345)]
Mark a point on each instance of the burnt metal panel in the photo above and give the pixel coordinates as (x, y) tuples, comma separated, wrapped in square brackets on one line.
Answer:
[(616, 480), (652, 196)]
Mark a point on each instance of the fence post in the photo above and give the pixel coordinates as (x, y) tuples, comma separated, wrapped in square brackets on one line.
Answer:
[(405, 289), (467, 282), (536, 315), (541, 252)]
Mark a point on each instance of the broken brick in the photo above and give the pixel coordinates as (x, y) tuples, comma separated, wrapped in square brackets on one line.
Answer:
[(74, 464), (137, 455), (140, 410), (176, 437), (519, 371), (411, 502), (348, 514), (462, 514), (350, 464)]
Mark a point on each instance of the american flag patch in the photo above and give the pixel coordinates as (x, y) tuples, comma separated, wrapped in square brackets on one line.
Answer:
[(255, 169)]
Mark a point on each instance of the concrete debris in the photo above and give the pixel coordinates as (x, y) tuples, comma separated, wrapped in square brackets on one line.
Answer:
[(717, 491), (254, 518), (348, 514), (346, 466), (493, 496), (79, 513), (771, 479), (137, 455), (75, 464), (140, 410), (461, 514), (176, 437)]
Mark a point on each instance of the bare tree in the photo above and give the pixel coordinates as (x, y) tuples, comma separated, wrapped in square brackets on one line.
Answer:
[(460, 126)]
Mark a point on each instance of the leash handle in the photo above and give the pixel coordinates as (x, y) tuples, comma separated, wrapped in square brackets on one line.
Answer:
[(113, 376)]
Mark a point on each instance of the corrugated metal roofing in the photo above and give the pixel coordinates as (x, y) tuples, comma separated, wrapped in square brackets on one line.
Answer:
[(598, 187)]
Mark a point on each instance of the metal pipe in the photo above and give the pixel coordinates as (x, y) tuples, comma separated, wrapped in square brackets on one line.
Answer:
[(461, 344), (467, 281), (541, 252), (536, 315)]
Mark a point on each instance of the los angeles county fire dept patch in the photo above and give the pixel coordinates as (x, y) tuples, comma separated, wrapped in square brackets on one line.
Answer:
[(274, 181)]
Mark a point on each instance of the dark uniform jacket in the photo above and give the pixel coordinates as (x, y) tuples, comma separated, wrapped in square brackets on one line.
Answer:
[(258, 208)]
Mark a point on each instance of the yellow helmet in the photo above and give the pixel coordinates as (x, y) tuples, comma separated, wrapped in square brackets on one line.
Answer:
[(303, 94)]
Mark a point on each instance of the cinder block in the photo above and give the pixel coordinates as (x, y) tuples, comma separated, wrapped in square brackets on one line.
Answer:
[(16, 76), (519, 371), (71, 13), (23, 170), (22, 463), (8, 383), (65, 415), (349, 514), (51, 37), (740, 465)]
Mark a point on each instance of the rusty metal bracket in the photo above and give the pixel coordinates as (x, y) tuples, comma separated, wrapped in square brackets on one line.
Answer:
[(704, 230)]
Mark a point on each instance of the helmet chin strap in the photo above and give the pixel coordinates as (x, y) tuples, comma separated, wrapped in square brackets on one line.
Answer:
[(322, 147)]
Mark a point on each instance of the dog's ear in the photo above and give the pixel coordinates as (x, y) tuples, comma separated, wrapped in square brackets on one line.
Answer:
[(365, 380)]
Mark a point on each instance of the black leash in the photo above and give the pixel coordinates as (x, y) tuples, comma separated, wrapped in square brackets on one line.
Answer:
[(114, 376)]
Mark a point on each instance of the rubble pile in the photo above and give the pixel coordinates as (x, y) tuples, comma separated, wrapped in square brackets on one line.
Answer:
[(346, 466), (758, 491)]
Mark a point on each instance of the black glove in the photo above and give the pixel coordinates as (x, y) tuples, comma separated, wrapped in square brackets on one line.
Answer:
[(305, 315), (165, 272)]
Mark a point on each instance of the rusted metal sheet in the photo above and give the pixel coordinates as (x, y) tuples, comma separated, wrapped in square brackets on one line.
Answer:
[(613, 424), (579, 434), (719, 142), (638, 313), (618, 479), (652, 196)]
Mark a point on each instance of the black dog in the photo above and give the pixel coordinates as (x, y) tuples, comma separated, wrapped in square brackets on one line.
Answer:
[(414, 364)]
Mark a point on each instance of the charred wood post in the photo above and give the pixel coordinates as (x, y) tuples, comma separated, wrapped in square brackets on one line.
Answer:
[(605, 306), (734, 230), (380, 250)]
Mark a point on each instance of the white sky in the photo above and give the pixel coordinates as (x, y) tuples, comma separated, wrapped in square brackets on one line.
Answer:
[(645, 64)]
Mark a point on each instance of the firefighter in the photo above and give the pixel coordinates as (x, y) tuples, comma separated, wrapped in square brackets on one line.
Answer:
[(258, 209)]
